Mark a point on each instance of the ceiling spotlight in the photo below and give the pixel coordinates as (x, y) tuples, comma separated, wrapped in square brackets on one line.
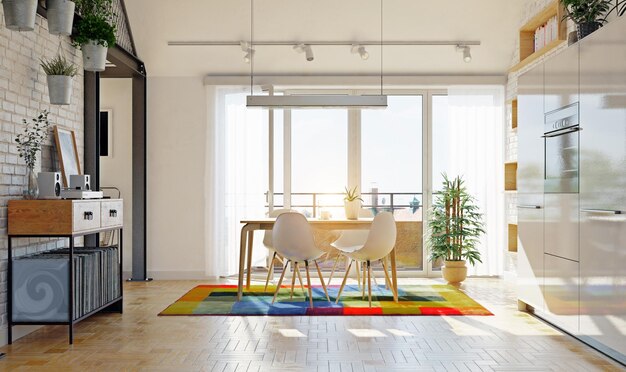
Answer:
[(360, 50), (247, 48), (467, 55), (306, 49)]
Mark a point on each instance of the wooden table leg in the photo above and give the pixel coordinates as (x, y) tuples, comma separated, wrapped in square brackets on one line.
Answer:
[(242, 260), (250, 242), (394, 274)]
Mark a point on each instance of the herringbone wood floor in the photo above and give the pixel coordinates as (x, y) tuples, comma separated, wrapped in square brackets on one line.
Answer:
[(139, 340)]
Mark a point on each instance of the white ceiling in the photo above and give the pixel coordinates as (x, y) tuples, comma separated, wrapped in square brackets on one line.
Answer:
[(492, 22)]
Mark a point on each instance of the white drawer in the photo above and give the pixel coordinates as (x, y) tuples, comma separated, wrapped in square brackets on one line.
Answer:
[(86, 215), (112, 213)]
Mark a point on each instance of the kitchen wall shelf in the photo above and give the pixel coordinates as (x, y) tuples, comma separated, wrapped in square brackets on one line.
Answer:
[(512, 237), (510, 176), (527, 53)]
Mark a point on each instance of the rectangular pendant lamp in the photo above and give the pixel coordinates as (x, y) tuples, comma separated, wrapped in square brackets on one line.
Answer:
[(317, 101)]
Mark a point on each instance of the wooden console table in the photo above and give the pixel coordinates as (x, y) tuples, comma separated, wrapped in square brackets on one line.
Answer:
[(63, 219)]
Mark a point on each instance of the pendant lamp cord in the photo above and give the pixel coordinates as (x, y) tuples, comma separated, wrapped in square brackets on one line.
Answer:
[(251, 47), (381, 47)]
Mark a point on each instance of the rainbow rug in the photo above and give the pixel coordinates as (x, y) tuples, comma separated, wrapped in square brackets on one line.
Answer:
[(412, 300)]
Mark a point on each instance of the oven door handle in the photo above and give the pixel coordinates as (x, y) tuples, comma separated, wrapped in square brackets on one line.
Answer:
[(561, 132)]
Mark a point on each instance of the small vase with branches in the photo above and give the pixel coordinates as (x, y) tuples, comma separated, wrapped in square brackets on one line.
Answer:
[(29, 144), (454, 228)]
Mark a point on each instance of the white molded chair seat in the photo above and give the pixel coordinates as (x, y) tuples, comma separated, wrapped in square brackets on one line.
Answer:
[(350, 241), (293, 239), (267, 242), (379, 244)]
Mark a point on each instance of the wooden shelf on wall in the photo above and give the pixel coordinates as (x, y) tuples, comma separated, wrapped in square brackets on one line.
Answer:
[(512, 228), (527, 53), (510, 176), (514, 113)]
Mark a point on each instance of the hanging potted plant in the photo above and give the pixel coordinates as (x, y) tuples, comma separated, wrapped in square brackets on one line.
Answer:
[(454, 227), (28, 145), (59, 73), (60, 16), (588, 15), (20, 15), (352, 203), (95, 32)]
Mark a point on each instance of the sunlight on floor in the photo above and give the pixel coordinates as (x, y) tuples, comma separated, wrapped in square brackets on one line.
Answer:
[(366, 333), (399, 332), (291, 333)]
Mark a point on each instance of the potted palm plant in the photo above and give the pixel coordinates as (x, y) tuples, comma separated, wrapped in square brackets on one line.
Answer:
[(588, 15), (454, 227), (95, 32), (59, 73), (19, 15), (352, 203), (60, 16)]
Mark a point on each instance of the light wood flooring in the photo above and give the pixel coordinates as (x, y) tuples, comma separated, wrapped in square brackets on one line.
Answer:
[(139, 340)]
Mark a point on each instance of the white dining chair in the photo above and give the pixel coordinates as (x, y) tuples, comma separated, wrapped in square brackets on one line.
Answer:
[(268, 243), (379, 244), (346, 243), (293, 240)]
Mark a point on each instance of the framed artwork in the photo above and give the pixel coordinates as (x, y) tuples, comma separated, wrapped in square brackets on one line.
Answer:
[(106, 132), (68, 153)]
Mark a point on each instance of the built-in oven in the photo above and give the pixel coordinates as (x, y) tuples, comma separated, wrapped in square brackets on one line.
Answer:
[(561, 150)]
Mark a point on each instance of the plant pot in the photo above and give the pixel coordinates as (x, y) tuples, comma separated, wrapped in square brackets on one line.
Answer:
[(59, 89), (352, 209), (20, 15), (31, 189), (60, 17), (94, 56), (585, 29), (454, 271)]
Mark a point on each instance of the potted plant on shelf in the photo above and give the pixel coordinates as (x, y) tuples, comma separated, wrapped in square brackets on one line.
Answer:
[(454, 227), (28, 145), (95, 32), (60, 14), (59, 73), (20, 15), (352, 203), (588, 15)]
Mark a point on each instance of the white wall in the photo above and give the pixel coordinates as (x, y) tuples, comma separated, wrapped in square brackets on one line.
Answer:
[(176, 189), (116, 169)]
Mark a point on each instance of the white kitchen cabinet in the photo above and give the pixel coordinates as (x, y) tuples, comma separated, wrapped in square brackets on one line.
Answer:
[(603, 188), (561, 287), (561, 78)]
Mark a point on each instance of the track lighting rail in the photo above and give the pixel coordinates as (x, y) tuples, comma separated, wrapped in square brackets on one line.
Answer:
[(329, 43)]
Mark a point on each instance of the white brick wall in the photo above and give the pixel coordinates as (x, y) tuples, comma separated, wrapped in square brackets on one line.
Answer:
[(23, 94)]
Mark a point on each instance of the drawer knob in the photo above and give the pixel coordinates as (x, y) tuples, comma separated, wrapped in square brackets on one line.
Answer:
[(113, 213), (88, 216)]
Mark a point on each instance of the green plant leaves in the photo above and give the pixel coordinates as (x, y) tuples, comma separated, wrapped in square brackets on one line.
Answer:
[(58, 65), (30, 140)]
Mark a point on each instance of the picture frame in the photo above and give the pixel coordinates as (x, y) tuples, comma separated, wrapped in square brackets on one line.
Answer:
[(67, 151)]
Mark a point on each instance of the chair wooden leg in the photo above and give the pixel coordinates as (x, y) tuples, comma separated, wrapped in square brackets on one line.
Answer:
[(300, 280), (319, 272), (369, 282), (280, 281), (345, 279), (358, 273), (269, 272), (332, 272), (293, 278), (387, 279), (308, 282), (363, 266)]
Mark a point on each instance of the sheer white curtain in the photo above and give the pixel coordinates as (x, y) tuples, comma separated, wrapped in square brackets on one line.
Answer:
[(236, 176), (475, 150)]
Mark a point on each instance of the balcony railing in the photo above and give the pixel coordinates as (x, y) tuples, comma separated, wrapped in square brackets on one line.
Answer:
[(375, 201)]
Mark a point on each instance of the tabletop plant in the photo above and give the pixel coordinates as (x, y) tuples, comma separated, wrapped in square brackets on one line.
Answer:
[(352, 203), (29, 143), (454, 229)]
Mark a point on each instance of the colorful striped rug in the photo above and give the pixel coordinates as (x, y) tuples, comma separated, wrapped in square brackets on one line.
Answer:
[(412, 300)]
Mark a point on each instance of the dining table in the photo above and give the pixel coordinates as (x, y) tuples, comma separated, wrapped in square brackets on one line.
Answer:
[(252, 225)]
